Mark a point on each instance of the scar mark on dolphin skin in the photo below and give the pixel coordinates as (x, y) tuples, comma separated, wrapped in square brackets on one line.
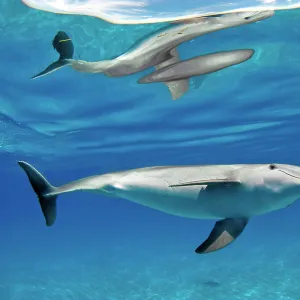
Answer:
[(163, 34), (181, 32)]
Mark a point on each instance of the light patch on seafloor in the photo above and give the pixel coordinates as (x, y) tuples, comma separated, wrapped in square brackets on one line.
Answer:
[(153, 11)]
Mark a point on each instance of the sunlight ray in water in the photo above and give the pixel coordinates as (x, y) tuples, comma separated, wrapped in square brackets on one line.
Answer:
[(154, 11)]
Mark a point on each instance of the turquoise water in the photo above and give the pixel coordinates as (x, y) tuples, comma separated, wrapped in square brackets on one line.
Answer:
[(71, 125)]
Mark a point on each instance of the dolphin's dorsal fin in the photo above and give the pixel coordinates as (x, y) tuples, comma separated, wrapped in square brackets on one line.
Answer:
[(224, 233), (177, 88), (209, 182)]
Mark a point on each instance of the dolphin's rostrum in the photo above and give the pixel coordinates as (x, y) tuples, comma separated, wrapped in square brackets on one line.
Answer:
[(231, 193)]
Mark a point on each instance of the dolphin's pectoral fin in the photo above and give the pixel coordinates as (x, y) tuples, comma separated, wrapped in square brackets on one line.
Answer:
[(223, 234), (209, 182), (177, 88)]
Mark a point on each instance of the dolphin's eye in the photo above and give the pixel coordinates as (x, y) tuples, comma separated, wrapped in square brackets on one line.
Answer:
[(272, 167)]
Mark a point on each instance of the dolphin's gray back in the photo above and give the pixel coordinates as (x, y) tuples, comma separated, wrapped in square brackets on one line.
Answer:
[(170, 174), (96, 183), (175, 174)]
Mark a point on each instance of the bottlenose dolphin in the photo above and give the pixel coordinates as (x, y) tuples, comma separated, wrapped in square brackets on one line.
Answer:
[(159, 49), (199, 65), (232, 193)]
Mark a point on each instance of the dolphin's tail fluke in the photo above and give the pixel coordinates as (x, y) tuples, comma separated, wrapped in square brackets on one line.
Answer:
[(51, 68), (63, 44), (45, 191)]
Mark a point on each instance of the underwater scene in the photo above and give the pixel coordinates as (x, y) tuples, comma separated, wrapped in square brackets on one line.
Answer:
[(150, 150)]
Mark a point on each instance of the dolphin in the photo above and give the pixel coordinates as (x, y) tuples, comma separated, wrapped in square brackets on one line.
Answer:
[(159, 49), (232, 194), (199, 65)]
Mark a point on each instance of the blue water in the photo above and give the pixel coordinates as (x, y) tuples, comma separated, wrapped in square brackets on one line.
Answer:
[(70, 125)]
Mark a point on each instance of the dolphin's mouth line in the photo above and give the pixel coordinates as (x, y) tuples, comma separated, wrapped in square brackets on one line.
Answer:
[(289, 174)]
